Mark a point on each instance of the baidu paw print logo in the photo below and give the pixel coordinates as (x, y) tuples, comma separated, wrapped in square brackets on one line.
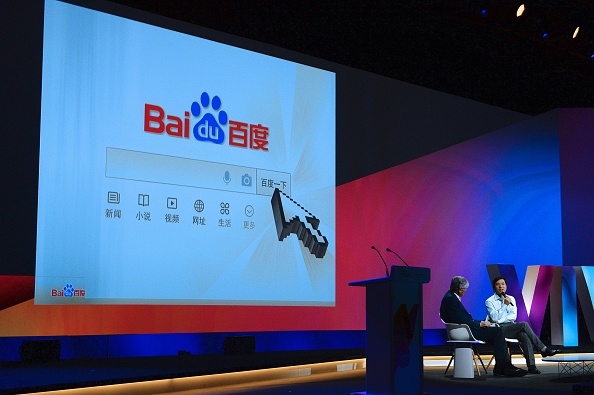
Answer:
[(209, 126), (68, 291)]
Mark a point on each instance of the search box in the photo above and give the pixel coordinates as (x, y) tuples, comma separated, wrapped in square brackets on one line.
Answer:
[(173, 170)]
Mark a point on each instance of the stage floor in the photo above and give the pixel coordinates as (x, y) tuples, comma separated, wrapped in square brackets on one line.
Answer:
[(293, 373)]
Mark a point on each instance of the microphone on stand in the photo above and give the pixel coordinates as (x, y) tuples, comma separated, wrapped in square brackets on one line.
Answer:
[(504, 295), (380, 254), (389, 250)]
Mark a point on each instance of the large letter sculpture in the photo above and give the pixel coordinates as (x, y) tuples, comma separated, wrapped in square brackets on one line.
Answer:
[(560, 286)]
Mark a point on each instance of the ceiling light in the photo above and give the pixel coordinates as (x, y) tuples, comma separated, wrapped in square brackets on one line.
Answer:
[(520, 11)]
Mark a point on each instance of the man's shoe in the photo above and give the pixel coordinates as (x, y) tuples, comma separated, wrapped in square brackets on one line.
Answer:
[(497, 372), (512, 371), (549, 352), (533, 370)]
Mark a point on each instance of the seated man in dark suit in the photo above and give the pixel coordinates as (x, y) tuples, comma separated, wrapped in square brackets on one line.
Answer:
[(452, 311)]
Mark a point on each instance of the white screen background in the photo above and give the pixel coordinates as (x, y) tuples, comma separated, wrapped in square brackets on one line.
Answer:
[(99, 71)]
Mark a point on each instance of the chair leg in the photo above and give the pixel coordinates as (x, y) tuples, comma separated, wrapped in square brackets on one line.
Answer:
[(480, 359), (490, 362), (451, 359), (509, 349), (474, 357), (522, 351)]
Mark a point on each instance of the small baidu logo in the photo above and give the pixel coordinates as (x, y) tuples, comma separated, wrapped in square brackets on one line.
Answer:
[(209, 128), (68, 291)]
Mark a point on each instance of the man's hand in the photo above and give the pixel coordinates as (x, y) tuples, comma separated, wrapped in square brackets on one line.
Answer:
[(506, 300), (485, 323)]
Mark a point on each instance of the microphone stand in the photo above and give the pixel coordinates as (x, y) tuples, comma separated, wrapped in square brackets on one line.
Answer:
[(385, 264), (389, 250)]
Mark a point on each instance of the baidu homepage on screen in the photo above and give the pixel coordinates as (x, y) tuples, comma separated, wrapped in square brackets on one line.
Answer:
[(178, 170)]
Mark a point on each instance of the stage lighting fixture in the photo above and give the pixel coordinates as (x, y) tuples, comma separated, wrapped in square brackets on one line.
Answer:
[(520, 10), (575, 32)]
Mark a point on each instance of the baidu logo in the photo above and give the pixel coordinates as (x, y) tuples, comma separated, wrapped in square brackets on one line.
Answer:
[(213, 125), (209, 128), (68, 291)]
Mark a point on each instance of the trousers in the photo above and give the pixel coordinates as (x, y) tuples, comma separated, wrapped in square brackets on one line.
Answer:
[(526, 336), (495, 336)]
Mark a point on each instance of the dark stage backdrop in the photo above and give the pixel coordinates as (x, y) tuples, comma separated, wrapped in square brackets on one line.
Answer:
[(448, 183)]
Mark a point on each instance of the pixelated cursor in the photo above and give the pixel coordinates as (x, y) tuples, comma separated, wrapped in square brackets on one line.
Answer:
[(286, 218)]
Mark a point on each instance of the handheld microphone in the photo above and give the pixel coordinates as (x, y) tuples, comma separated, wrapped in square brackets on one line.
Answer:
[(504, 295), (380, 254), (389, 250)]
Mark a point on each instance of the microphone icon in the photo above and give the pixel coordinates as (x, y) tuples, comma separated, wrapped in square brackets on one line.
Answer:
[(227, 177)]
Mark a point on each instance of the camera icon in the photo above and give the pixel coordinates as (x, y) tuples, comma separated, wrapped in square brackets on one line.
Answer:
[(246, 180)]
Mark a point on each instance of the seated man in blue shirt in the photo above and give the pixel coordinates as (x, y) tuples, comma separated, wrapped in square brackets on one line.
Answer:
[(452, 311), (503, 311)]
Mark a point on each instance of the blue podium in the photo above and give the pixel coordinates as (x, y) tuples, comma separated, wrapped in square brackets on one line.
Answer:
[(394, 331)]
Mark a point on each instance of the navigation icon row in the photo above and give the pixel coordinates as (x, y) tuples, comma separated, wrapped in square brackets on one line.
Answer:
[(171, 203), (143, 200)]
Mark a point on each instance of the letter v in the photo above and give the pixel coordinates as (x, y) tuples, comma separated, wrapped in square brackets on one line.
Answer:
[(532, 299)]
